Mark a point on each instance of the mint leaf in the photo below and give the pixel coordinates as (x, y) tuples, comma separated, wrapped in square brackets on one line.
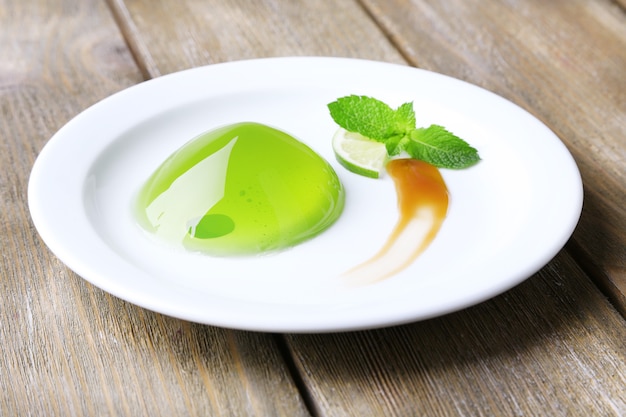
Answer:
[(440, 148), (365, 115), (396, 129), (395, 144), (405, 118)]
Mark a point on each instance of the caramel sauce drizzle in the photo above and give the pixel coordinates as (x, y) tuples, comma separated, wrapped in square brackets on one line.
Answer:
[(422, 204)]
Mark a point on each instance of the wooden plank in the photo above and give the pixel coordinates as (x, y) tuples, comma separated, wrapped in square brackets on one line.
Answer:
[(563, 62), (217, 31), (554, 335), (551, 346), (539, 344), (69, 349)]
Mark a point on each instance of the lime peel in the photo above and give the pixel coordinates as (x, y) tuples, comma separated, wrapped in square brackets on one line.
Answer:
[(396, 129), (359, 154)]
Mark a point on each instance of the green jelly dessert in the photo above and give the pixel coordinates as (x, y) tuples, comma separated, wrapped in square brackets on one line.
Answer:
[(241, 189)]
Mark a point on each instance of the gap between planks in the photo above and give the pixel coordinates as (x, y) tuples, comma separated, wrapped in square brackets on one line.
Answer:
[(130, 33)]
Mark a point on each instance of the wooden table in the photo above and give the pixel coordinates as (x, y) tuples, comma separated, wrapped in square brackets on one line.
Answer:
[(554, 345)]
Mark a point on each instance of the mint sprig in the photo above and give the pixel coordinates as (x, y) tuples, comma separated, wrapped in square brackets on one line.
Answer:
[(397, 130)]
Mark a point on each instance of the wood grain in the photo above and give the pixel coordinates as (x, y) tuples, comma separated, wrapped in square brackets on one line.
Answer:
[(551, 346), (196, 32), (69, 349), (532, 350), (563, 62)]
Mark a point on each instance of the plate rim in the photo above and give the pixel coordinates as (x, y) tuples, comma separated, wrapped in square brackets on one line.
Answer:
[(83, 269)]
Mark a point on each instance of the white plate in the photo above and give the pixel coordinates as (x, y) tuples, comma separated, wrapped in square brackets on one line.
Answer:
[(508, 215)]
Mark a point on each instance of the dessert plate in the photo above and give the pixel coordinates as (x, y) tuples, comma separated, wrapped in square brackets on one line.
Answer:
[(508, 215)]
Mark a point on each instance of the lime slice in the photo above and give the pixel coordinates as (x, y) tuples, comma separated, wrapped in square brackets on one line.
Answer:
[(359, 154)]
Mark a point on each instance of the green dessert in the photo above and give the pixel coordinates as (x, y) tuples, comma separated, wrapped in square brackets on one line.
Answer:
[(241, 189)]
